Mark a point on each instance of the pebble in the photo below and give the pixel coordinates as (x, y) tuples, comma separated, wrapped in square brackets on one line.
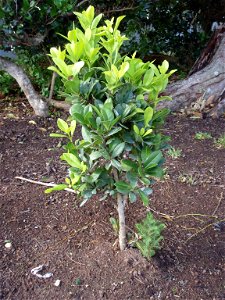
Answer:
[(57, 282), (8, 245)]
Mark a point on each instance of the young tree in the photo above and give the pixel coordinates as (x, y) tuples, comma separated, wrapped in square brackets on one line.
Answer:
[(114, 99)]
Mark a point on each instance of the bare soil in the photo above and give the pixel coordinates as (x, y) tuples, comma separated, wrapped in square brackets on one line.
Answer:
[(79, 246)]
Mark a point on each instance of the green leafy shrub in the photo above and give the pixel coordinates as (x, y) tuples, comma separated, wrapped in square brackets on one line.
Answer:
[(149, 231), (220, 142), (114, 100), (202, 135), (174, 153)]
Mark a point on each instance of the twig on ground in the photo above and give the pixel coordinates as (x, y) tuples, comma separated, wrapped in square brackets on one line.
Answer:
[(218, 205), (201, 230), (167, 217), (43, 183)]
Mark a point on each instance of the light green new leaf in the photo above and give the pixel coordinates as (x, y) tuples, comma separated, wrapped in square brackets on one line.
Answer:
[(77, 67), (72, 160), (118, 20), (72, 35), (73, 125), (164, 67), (136, 129), (96, 21), (58, 187), (124, 68), (148, 77), (57, 135), (54, 69), (148, 114), (63, 126)]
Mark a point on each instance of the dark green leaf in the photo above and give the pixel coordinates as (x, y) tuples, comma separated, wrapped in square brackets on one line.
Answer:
[(132, 197), (118, 150), (128, 164), (132, 178), (116, 164), (144, 198), (95, 155), (123, 187)]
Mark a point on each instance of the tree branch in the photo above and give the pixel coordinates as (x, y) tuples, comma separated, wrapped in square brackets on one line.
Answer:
[(39, 105)]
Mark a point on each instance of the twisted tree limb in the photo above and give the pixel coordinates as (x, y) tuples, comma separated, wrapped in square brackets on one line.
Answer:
[(38, 104), (206, 85)]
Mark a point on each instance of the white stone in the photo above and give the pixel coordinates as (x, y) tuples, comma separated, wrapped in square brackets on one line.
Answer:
[(57, 282), (8, 245)]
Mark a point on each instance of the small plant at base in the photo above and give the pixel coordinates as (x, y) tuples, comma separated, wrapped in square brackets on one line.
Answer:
[(187, 178), (114, 100), (174, 153), (202, 135), (220, 142), (149, 231)]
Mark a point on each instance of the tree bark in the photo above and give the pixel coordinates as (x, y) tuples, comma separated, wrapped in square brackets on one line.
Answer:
[(122, 227), (38, 104), (204, 89), (121, 214)]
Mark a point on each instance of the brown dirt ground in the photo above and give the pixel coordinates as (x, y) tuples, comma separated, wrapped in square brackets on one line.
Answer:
[(78, 245)]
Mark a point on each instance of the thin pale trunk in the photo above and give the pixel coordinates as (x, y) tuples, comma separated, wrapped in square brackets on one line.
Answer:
[(122, 225), (40, 107), (121, 214)]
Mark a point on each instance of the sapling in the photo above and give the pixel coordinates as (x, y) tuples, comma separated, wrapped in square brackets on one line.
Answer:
[(114, 99)]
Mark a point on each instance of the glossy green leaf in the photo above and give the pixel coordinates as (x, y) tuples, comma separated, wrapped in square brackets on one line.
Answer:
[(95, 155), (128, 164), (132, 177), (123, 187), (154, 158), (116, 164), (118, 150)]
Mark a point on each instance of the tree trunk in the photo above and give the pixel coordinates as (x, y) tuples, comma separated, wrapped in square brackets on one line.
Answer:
[(40, 107), (121, 214), (122, 227), (204, 89)]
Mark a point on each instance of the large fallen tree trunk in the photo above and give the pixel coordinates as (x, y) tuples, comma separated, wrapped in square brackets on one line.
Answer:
[(38, 104), (204, 89)]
